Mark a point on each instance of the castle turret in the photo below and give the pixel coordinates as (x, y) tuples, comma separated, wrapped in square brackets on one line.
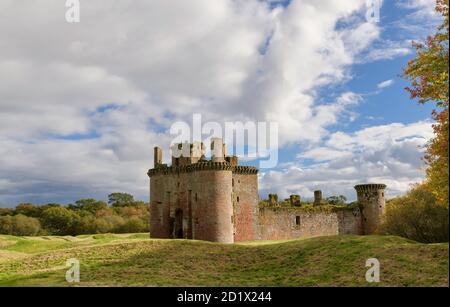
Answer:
[(217, 150), (157, 156), (372, 204)]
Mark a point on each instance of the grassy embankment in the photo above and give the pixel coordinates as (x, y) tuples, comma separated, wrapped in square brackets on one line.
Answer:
[(136, 260)]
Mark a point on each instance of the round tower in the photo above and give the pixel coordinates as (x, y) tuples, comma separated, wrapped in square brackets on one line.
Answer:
[(212, 208), (372, 204)]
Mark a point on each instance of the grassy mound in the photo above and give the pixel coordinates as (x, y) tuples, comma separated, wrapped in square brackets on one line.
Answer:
[(136, 260)]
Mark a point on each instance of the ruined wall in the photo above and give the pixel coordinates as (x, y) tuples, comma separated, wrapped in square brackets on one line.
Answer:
[(350, 222), (289, 223), (218, 201), (245, 204)]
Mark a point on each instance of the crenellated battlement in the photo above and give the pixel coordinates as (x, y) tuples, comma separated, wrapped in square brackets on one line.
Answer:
[(202, 166), (370, 187)]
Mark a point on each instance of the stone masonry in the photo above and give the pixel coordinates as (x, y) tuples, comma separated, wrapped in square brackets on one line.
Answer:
[(217, 200)]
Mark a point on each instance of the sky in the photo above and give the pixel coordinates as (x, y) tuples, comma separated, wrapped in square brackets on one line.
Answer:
[(83, 104)]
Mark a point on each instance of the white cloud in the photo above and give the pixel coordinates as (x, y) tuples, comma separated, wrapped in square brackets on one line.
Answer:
[(155, 62), (389, 154), (385, 49), (385, 84), (421, 20)]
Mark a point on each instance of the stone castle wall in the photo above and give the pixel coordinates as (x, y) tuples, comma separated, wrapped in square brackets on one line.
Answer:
[(245, 204), (210, 201), (289, 223), (218, 201)]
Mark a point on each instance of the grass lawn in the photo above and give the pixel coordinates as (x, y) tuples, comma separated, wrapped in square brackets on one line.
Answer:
[(136, 260)]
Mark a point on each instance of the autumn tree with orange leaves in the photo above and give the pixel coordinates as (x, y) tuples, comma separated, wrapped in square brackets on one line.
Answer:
[(428, 74)]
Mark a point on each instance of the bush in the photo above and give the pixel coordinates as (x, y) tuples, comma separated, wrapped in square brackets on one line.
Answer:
[(60, 221), (133, 225), (417, 216), (109, 224), (5, 211), (28, 210), (19, 225)]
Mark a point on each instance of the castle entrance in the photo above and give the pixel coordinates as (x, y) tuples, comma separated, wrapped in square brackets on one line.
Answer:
[(178, 225)]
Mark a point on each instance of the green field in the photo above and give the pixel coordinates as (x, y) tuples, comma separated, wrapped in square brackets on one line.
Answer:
[(136, 260)]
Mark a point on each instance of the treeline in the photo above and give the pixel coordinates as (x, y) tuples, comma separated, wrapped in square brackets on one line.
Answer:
[(418, 215), (121, 214)]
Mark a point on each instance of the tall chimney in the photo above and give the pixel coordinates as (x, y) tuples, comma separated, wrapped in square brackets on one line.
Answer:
[(157, 156), (217, 150), (317, 197)]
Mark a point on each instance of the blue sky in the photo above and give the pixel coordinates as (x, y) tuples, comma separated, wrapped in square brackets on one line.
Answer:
[(82, 105)]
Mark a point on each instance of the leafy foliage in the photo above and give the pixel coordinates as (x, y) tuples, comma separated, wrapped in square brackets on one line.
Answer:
[(337, 200), (117, 200), (85, 216), (428, 74), (417, 216), (89, 204), (19, 225)]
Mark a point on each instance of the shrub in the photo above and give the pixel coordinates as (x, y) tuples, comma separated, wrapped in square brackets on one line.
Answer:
[(28, 210), (19, 225), (60, 221), (133, 225), (417, 216), (5, 211), (109, 223), (337, 200)]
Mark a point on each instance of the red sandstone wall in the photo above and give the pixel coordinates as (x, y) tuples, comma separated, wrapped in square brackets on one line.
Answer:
[(280, 223), (207, 215), (245, 203), (159, 210), (216, 215), (212, 209)]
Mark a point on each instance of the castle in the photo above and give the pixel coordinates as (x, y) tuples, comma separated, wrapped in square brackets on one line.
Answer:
[(217, 200)]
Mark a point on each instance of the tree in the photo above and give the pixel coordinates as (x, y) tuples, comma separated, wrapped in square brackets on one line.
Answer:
[(5, 211), (337, 200), (122, 200), (133, 225), (428, 74), (27, 209), (19, 225), (89, 205), (417, 216), (60, 221)]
